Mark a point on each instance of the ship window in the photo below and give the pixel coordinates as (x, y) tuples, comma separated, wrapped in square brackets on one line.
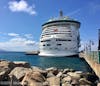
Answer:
[(45, 40), (58, 44), (63, 40), (48, 44), (68, 31), (55, 48), (68, 40)]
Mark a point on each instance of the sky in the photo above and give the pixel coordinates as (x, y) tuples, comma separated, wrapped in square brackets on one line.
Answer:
[(21, 20)]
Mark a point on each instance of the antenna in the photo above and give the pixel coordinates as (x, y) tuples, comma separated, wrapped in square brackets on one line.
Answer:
[(61, 13)]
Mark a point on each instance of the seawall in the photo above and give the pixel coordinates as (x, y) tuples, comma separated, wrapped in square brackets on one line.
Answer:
[(23, 74), (94, 65)]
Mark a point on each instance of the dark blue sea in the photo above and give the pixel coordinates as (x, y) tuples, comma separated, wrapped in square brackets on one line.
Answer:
[(45, 62)]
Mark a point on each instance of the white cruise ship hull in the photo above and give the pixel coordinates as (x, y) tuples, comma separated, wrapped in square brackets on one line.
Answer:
[(59, 54)]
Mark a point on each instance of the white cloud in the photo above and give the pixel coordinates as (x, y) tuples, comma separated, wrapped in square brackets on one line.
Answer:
[(29, 36), (13, 34), (18, 42), (30, 42), (22, 41), (21, 6)]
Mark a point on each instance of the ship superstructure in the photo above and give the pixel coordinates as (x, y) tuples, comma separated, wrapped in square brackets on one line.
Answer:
[(60, 37)]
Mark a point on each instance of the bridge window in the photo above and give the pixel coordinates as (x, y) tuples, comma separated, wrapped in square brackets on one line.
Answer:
[(44, 45), (59, 44), (63, 40), (45, 41), (48, 44)]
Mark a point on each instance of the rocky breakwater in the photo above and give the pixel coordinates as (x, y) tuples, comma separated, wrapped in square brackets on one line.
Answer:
[(22, 74)]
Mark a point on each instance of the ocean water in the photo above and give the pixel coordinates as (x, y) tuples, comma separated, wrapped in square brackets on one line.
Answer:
[(45, 62)]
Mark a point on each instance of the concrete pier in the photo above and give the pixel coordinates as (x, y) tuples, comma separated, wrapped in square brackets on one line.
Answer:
[(93, 64)]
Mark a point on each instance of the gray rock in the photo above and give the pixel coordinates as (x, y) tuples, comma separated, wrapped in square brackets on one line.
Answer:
[(14, 81), (46, 83), (66, 71), (33, 79), (50, 74), (72, 70), (83, 81), (22, 64), (66, 84), (51, 69), (64, 75), (84, 85), (5, 68), (5, 81), (10, 81), (74, 75), (54, 70), (59, 74), (19, 72), (98, 84), (54, 81), (32, 83), (79, 72), (67, 79), (75, 82), (37, 69)]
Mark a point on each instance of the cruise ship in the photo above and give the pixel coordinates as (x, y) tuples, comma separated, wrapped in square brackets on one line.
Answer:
[(60, 37)]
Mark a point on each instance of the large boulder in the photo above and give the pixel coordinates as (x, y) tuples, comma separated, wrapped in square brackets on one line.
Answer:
[(84, 81), (19, 72), (66, 84), (4, 63), (14, 81), (37, 69), (5, 68), (22, 64), (50, 74), (59, 74), (66, 71), (67, 79), (75, 82), (79, 72), (33, 79), (5, 81), (54, 81), (46, 83), (72, 70), (54, 70), (32, 83), (74, 75), (10, 81), (51, 69), (98, 84)]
